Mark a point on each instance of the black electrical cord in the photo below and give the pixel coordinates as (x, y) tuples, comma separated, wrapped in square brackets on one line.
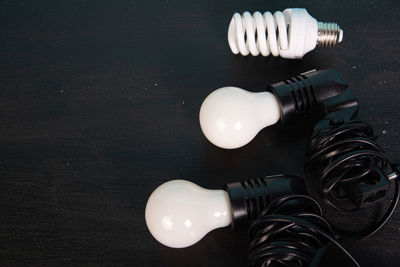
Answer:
[(290, 232), (346, 159)]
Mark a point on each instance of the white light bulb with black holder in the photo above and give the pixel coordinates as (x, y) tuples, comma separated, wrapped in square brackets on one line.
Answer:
[(179, 213), (231, 117)]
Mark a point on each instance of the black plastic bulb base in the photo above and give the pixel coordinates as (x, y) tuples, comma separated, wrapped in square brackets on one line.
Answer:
[(311, 94), (249, 197)]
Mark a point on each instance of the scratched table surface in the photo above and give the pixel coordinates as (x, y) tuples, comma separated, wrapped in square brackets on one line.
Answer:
[(99, 104)]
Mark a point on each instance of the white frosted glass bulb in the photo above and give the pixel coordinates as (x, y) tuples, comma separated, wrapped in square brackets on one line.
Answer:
[(180, 213), (231, 117)]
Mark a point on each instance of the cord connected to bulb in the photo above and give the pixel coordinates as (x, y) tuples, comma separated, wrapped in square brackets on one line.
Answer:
[(298, 33), (351, 168), (343, 157), (291, 232)]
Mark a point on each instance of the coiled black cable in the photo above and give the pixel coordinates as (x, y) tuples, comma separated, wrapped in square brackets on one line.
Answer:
[(290, 232), (346, 159)]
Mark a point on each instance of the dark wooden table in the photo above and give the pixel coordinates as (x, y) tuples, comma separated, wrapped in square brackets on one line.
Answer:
[(99, 105)]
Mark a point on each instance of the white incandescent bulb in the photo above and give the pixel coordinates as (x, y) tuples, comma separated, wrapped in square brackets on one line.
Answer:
[(180, 213), (231, 117)]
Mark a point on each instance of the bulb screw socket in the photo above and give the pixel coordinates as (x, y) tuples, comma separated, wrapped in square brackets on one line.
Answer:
[(329, 34), (311, 94), (250, 197)]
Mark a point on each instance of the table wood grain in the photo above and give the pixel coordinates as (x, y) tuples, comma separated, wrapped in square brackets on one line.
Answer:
[(99, 105)]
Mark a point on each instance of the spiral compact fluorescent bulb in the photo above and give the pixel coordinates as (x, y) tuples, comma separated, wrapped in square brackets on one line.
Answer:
[(180, 213), (298, 33)]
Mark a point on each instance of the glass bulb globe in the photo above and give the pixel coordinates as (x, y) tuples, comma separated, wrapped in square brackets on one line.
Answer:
[(180, 213), (231, 117)]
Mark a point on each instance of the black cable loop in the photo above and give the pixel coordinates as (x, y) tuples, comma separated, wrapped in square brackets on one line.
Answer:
[(346, 155), (290, 232)]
